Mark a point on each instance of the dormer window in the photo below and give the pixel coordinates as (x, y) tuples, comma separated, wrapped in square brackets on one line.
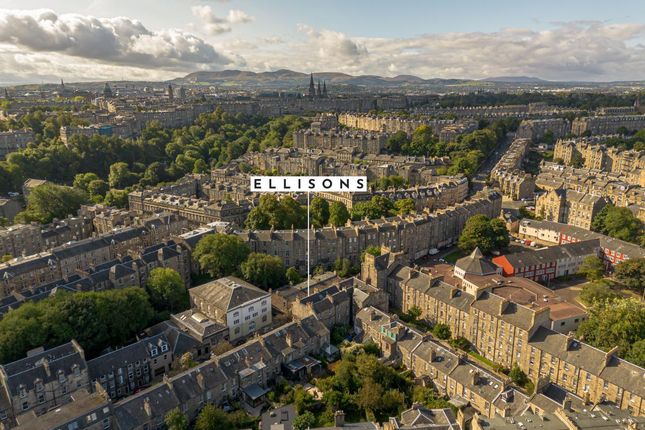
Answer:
[(153, 352), (164, 347), (76, 369), (23, 391), (39, 385), (61, 377)]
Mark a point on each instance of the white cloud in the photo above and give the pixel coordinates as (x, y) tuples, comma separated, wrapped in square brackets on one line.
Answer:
[(236, 16), (215, 25), (119, 41), (566, 51)]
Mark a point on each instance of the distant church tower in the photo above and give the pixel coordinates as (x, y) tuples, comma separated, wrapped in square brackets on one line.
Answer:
[(107, 91), (312, 88), (170, 93), (324, 89), (182, 92), (319, 92)]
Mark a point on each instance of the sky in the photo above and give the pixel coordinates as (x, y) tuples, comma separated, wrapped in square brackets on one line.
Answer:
[(81, 40)]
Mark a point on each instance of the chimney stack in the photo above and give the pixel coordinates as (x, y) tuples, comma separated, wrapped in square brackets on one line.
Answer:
[(475, 377)]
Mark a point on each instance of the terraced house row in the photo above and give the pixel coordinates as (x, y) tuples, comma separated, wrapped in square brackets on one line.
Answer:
[(75, 392), (68, 260), (489, 400), (414, 234), (513, 321)]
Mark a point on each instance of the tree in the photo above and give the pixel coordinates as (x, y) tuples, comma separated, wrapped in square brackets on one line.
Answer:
[(338, 214), (421, 144), (50, 201), (319, 209), (518, 376), (304, 421), (619, 323), (264, 271), (82, 180), (302, 399), (212, 418), (221, 254), (167, 290), (369, 396), (480, 231), (619, 223), (636, 353), (377, 207), (396, 141), (442, 331), (186, 361), (116, 198), (120, 176), (344, 268), (592, 268), (88, 317), (5, 258), (372, 250), (176, 420), (631, 273), (97, 190), (429, 397), (292, 275), (405, 206), (598, 291), (622, 224)]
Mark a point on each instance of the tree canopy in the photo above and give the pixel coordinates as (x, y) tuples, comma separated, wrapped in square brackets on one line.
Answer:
[(95, 319), (631, 273), (264, 271), (487, 234), (221, 254), (338, 214), (618, 222), (167, 290), (611, 323), (50, 201)]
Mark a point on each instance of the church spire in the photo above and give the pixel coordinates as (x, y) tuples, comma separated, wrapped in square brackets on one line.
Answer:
[(319, 92), (324, 89), (312, 88)]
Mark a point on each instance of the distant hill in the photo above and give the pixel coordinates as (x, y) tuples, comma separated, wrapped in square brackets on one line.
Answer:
[(516, 80), (284, 78)]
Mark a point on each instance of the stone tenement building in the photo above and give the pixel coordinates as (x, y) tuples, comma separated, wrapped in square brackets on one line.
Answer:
[(414, 234), (569, 207), (447, 191), (14, 140), (569, 366), (621, 190), (389, 124), (130, 270), (509, 329), (196, 211), (607, 124), (599, 157), (62, 262), (507, 173), (334, 139), (536, 129), (290, 161)]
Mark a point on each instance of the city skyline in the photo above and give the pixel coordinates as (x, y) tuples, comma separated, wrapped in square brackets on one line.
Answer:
[(591, 41)]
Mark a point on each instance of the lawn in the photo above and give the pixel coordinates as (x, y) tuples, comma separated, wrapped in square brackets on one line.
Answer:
[(454, 256)]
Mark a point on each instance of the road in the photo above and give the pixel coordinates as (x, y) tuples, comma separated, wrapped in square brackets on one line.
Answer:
[(479, 180)]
